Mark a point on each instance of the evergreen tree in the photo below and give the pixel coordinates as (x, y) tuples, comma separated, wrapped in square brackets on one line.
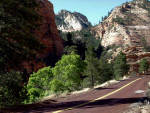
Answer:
[(92, 67), (105, 70), (143, 66), (120, 66), (69, 49)]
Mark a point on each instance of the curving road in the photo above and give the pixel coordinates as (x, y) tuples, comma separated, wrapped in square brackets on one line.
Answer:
[(113, 99)]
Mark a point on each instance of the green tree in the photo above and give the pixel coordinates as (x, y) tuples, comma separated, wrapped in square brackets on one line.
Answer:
[(18, 21), (105, 70), (143, 66), (67, 72), (92, 68), (120, 66), (39, 83), (70, 49)]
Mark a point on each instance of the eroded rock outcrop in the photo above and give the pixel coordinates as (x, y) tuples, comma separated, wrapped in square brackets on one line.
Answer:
[(48, 34), (127, 29), (127, 25), (68, 22)]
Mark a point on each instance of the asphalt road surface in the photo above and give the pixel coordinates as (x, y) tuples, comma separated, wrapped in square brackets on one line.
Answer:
[(113, 99)]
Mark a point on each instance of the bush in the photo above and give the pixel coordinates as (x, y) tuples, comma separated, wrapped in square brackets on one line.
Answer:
[(11, 86), (67, 73), (143, 66), (57, 86), (119, 20), (127, 20), (39, 83)]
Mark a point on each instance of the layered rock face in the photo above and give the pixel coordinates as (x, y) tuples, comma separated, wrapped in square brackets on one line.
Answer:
[(128, 28), (48, 34), (127, 25), (69, 22)]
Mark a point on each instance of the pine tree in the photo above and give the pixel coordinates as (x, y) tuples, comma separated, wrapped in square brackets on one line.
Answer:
[(105, 70), (120, 66), (143, 66), (92, 67)]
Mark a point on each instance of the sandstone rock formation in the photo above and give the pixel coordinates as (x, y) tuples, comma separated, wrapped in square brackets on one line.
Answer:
[(68, 22), (127, 25), (49, 36), (127, 29)]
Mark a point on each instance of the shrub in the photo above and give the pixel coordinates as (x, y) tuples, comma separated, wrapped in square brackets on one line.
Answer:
[(57, 86), (11, 86), (143, 66), (119, 20), (127, 20), (67, 73), (39, 83)]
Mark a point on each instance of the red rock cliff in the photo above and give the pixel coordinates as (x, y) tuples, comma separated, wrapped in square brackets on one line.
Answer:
[(48, 33), (49, 36)]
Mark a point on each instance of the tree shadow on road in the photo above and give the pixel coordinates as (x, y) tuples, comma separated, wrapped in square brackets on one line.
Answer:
[(49, 106), (103, 88)]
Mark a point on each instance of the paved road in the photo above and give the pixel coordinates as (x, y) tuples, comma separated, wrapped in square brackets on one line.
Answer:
[(113, 99)]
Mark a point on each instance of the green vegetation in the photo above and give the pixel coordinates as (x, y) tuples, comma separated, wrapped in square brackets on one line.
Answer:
[(105, 69), (119, 20), (127, 20), (79, 41), (91, 69), (67, 72), (65, 76), (39, 84), (120, 66), (11, 90), (143, 66)]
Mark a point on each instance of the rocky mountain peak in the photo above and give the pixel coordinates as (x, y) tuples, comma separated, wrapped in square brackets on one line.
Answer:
[(127, 25), (71, 21)]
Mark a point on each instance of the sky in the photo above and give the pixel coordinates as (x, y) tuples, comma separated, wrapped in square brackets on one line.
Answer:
[(92, 9)]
